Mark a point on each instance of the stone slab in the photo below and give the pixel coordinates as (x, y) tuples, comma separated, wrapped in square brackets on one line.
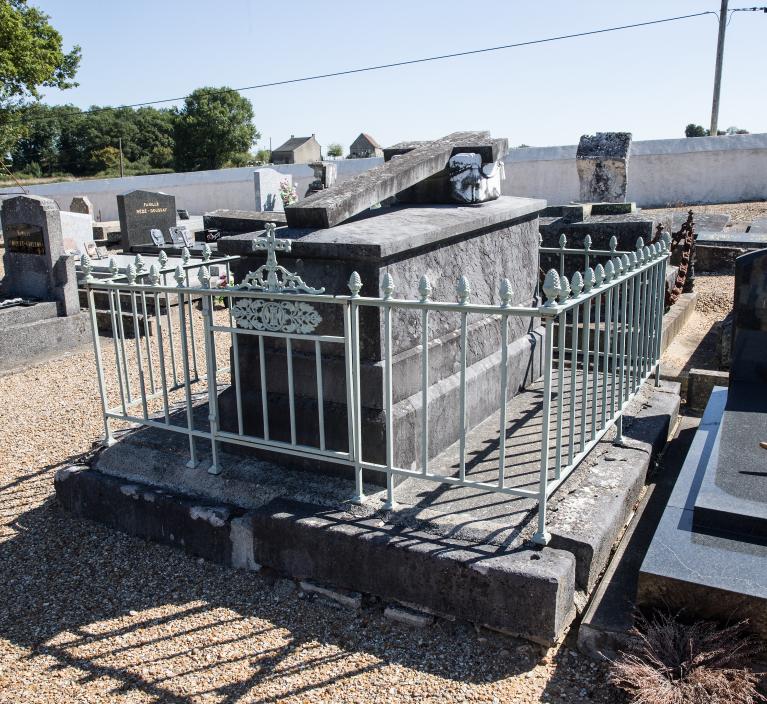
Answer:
[(230, 222), (394, 231), (758, 226), (39, 340), (677, 317), (745, 240), (700, 384), (732, 497), (709, 576), (342, 201), (267, 189)]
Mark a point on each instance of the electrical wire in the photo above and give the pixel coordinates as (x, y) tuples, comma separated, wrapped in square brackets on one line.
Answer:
[(394, 64)]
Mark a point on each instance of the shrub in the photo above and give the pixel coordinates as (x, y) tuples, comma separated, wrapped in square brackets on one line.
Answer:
[(700, 663)]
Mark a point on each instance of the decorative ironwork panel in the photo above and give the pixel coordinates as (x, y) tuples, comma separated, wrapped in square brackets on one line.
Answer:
[(276, 316)]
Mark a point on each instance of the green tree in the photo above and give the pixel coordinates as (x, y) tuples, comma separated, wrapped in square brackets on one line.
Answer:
[(31, 57), (263, 156), (736, 130), (693, 130), (213, 128), (335, 150)]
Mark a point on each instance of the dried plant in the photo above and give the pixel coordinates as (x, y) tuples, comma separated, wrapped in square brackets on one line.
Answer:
[(671, 662)]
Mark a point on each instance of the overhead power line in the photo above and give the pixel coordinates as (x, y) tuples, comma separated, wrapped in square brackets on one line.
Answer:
[(395, 64)]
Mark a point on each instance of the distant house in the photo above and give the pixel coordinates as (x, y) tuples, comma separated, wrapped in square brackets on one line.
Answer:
[(297, 150), (364, 147)]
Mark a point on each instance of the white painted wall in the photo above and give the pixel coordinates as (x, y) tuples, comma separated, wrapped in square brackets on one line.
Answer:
[(661, 172)]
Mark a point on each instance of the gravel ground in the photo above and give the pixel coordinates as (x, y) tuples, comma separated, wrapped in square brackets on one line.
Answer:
[(741, 213), (91, 615)]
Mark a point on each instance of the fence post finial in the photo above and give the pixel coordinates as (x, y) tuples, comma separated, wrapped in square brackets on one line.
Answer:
[(424, 288), (87, 266), (206, 252), (204, 276), (587, 242), (640, 243), (576, 285), (162, 259), (178, 275), (613, 244), (562, 241), (113, 268), (463, 289), (387, 286), (138, 262), (185, 256), (355, 284), (625, 263), (599, 275), (588, 280), (564, 288), (154, 276), (130, 273), (609, 271), (506, 293), (551, 284)]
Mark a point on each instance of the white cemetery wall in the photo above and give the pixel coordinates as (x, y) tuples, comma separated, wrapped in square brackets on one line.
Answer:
[(697, 170)]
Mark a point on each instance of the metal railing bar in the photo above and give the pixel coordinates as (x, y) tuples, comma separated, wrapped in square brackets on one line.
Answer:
[(278, 335)]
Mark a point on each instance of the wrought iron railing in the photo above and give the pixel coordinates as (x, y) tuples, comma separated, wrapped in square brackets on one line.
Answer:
[(601, 330)]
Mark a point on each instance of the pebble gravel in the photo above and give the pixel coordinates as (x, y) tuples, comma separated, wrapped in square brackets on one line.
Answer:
[(91, 615)]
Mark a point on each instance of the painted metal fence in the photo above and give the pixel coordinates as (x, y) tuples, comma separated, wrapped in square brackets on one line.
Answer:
[(601, 325)]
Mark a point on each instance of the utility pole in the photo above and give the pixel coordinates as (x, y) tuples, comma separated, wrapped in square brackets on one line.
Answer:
[(122, 171), (718, 71)]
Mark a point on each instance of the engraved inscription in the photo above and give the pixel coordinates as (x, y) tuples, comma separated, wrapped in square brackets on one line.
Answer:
[(25, 239)]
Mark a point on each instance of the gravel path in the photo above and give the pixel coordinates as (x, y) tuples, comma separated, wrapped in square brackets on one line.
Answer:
[(91, 615)]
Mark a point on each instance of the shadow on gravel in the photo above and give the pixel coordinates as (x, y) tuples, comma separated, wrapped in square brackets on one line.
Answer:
[(131, 615)]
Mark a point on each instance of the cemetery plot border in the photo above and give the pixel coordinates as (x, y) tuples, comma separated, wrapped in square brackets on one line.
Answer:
[(602, 339)]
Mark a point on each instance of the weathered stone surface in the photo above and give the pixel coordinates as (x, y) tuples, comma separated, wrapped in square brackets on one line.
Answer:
[(142, 211), (749, 340), (35, 262), (700, 384), (602, 162), (81, 204), (485, 243), (708, 574), (234, 222), (340, 202)]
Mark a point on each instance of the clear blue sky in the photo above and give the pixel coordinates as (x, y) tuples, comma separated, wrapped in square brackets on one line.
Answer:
[(651, 81)]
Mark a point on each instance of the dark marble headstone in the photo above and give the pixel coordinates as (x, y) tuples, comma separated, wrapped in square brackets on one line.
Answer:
[(140, 212), (36, 264), (749, 337)]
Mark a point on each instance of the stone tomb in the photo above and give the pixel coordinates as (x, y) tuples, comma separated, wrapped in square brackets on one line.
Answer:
[(40, 273), (485, 243), (142, 211), (602, 160), (709, 553)]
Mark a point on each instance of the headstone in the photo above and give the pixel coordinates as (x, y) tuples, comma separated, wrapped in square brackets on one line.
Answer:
[(749, 336), (267, 185), (177, 236), (325, 173), (76, 231), (412, 165), (602, 161), (140, 212), (36, 264), (183, 214), (81, 204)]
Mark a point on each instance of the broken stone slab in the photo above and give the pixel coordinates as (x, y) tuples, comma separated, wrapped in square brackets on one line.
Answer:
[(340, 202), (347, 599), (408, 617)]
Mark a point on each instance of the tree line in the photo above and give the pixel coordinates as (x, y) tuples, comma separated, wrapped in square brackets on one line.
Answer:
[(213, 129)]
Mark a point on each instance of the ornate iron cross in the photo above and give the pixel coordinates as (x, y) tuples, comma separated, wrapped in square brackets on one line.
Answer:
[(271, 276)]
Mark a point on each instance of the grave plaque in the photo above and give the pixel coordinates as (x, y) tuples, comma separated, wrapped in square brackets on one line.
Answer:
[(142, 211), (24, 238), (177, 236), (187, 236), (157, 237)]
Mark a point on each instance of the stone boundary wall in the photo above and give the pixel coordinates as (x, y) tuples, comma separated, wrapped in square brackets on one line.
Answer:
[(661, 172)]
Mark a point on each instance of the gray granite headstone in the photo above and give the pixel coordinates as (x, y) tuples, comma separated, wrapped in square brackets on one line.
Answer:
[(36, 264), (267, 185), (140, 212), (81, 204), (602, 161), (749, 336)]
